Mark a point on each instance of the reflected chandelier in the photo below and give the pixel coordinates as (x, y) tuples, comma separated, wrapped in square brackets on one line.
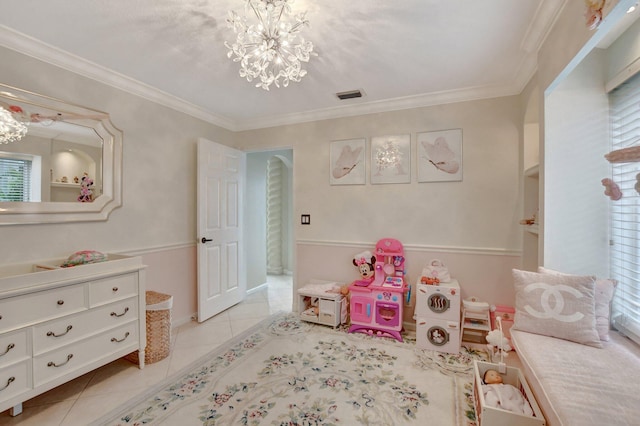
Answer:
[(11, 130), (268, 49)]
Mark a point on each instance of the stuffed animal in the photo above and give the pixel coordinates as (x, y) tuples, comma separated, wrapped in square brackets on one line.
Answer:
[(365, 262), (498, 344), (86, 194)]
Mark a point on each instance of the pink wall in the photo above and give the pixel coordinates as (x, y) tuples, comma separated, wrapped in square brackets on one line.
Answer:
[(174, 272), (482, 273)]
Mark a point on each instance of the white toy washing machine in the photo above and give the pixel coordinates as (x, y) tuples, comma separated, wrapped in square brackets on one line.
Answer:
[(440, 302), (438, 335)]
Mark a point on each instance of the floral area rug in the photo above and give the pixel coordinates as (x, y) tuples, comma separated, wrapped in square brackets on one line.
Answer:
[(286, 371)]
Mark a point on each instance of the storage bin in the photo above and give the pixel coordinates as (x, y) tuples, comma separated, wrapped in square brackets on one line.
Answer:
[(331, 307), (491, 416), (158, 327), (507, 313)]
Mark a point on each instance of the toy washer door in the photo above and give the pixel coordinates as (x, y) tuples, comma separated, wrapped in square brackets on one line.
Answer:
[(438, 336), (438, 303)]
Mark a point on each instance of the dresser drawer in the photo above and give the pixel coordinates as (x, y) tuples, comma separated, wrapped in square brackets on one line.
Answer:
[(14, 380), (25, 310), (64, 360), (14, 347), (63, 331), (112, 289)]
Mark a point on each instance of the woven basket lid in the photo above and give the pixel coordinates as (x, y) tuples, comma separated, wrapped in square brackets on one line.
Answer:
[(158, 301)]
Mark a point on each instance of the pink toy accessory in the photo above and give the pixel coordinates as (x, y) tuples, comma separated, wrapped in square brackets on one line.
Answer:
[(376, 305), (437, 269), (612, 190)]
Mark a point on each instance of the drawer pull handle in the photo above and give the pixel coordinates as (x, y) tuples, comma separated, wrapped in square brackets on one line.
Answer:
[(51, 333), (113, 314), (113, 339), (114, 289), (61, 302), (9, 347), (53, 364), (9, 381)]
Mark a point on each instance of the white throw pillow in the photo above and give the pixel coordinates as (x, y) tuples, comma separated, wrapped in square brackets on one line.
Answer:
[(603, 294), (556, 305)]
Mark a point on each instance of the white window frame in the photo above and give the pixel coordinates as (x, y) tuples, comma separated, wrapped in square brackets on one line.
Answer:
[(625, 213), (35, 184)]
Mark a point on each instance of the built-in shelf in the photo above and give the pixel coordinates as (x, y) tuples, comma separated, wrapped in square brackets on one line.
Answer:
[(65, 185)]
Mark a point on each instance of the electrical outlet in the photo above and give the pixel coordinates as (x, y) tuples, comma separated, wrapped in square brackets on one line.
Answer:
[(305, 219)]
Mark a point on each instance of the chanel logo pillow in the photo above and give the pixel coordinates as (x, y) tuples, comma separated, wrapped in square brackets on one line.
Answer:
[(556, 305), (603, 294)]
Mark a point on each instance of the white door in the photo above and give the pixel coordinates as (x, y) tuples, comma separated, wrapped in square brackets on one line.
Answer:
[(221, 261)]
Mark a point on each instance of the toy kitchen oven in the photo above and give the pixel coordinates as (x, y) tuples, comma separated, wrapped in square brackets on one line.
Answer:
[(437, 316), (377, 307)]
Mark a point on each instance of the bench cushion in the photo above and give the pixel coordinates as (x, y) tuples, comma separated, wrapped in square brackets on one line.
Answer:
[(576, 384)]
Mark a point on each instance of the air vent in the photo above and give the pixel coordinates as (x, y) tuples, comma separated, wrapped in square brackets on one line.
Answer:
[(349, 95)]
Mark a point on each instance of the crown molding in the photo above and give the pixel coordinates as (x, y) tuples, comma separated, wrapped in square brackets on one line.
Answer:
[(40, 50), (37, 49), (387, 105), (544, 19)]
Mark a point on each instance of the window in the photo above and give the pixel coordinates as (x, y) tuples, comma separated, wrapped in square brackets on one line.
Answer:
[(625, 213), (15, 178)]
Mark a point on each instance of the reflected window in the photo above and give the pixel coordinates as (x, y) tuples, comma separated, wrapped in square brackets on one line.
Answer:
[(19, 177)]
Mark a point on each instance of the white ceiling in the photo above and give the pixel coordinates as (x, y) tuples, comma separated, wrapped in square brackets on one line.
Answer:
[(401, 54)]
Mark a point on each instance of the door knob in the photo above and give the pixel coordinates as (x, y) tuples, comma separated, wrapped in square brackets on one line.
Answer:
[(204, 240)]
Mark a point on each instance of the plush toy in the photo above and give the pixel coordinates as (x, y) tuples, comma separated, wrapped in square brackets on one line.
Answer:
[(86, 194), (365, 262), (311, 306), (498, 344), (612, 190)]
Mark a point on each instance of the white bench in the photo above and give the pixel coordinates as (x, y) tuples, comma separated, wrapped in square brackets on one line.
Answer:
[(581, 385)]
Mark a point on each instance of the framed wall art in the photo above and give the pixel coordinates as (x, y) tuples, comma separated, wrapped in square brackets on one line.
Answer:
[(439, 156), (391, 159), (347, 162)]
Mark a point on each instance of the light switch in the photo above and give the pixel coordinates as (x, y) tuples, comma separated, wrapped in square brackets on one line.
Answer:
[(305, 219)]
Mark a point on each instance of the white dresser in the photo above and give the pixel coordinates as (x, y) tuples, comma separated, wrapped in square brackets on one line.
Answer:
[(59, 323)]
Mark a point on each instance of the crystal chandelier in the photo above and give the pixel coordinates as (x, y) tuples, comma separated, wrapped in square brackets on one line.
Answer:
[(269, 48), (11, 130)]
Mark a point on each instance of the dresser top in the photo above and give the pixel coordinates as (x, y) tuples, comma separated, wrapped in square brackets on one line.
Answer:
[(20, 278)]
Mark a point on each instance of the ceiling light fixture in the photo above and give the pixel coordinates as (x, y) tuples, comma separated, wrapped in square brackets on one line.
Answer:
[(269, 48), (11, 130)]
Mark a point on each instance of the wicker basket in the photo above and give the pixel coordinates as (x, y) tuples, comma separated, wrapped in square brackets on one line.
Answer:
[(158, 328)]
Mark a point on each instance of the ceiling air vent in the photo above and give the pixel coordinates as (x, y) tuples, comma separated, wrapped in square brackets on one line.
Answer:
[(349, 95)]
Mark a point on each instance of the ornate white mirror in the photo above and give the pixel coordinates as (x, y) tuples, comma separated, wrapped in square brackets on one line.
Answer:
[(58, 162)]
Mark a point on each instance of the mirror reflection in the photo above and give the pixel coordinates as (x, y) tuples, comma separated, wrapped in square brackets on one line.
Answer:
[(59, 162)]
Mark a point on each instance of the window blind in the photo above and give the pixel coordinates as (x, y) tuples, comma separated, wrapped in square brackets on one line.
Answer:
[(625, 213), (15, 179)]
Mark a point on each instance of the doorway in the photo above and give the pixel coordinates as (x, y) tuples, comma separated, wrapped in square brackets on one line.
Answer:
[(269, 215)]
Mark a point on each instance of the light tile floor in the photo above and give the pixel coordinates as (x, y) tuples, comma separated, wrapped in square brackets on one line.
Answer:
[(94, 394)]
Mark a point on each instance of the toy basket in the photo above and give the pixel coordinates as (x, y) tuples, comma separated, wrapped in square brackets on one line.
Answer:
[(158, 327)]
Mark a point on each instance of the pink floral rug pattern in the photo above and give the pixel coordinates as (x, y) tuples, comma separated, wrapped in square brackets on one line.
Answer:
[(289, 372)]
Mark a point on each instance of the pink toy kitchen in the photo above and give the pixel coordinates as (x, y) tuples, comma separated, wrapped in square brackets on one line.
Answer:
[(377, 302)]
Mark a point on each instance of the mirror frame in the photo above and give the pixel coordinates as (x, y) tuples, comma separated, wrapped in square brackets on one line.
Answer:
[(20, 213)]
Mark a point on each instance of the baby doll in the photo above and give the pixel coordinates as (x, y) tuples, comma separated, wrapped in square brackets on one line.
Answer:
[(506, 397)]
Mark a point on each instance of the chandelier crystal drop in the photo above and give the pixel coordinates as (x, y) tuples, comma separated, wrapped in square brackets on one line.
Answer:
[(269, 48), (11, 130)]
